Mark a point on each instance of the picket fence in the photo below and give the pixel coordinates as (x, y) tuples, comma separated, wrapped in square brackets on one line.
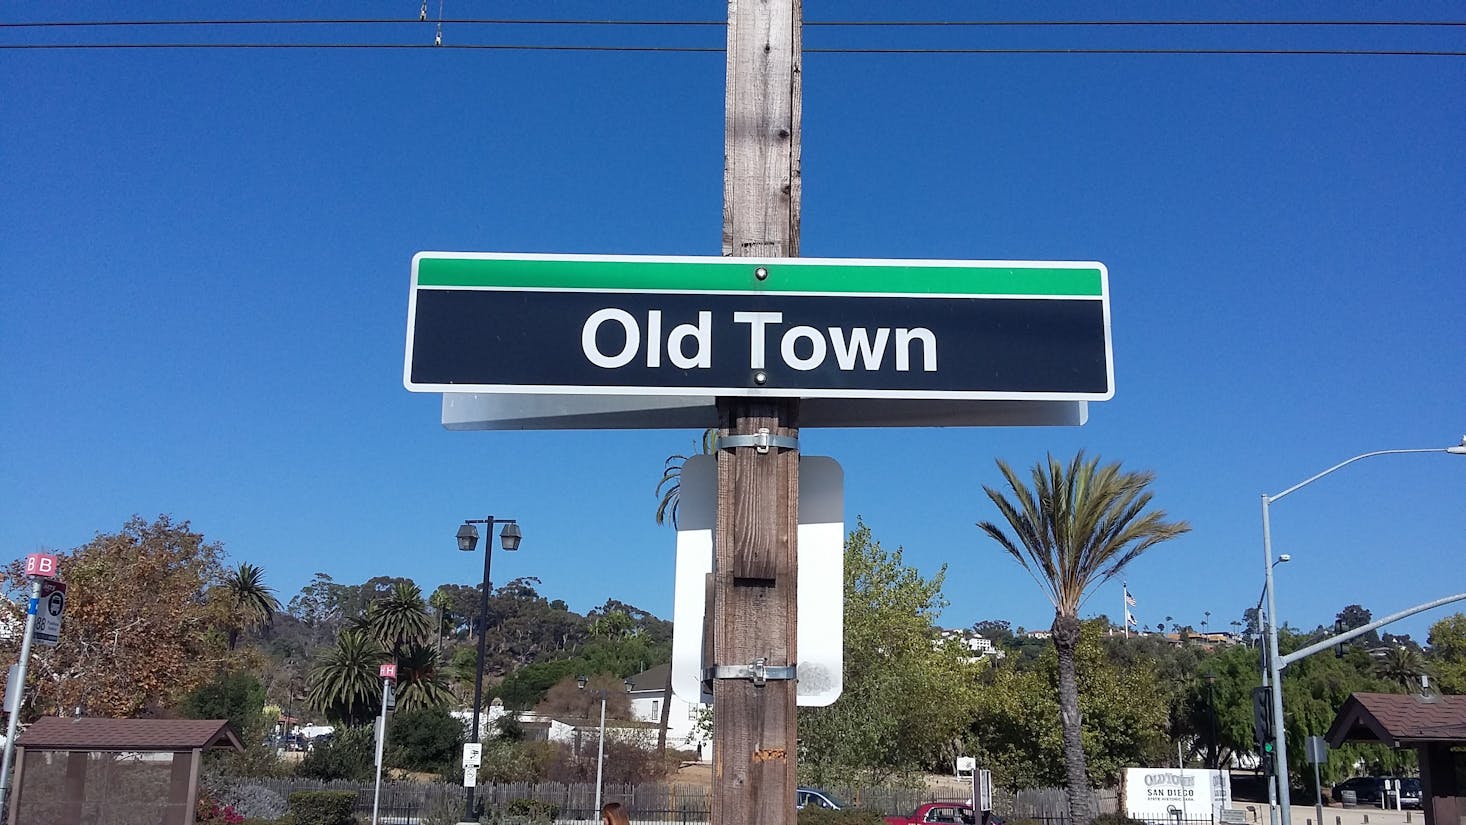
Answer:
[(417, 803)]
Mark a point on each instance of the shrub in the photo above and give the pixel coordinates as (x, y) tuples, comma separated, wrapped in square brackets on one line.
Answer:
[(536, 810), (349, 755), (322, 807), (1116, 819), (845, 816), (254, 802)]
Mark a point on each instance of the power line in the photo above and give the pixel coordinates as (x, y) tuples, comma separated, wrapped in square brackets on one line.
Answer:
[(720, 49), (366, 21)]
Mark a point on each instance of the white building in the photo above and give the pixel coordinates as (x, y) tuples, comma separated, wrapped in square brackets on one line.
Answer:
[(980, 647), (683, 732)]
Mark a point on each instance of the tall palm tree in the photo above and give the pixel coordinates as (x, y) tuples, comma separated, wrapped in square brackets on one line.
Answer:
[(254, 603), (400, 617), (440, 601), (344, 683), (1077, 527), (669, 489)]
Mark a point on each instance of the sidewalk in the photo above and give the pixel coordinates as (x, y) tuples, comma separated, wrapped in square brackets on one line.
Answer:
[(1257, 812)]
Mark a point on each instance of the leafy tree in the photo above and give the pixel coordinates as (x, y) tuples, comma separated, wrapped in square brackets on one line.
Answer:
[(344, 684), (254, 602), (907, 693), (238, 697), (141, 628), (1447, 654), (669, 489), (1123, 701), (1354, 616), (1077, 527), (322, 603), (525, 687), (425, 739), (568, 701), (349, 755)]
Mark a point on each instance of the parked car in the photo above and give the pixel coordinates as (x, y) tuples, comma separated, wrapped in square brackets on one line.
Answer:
[(948, 813), (815, 798), (1370, 790)]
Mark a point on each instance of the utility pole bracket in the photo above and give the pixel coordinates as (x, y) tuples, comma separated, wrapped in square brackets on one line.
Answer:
[(761, 441), (758, 672)]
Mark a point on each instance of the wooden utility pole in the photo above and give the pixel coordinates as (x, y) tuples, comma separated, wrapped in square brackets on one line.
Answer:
[(753, 610)]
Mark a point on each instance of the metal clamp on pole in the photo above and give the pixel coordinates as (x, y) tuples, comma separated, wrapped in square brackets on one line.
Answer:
[(761, 441), (759, 672)]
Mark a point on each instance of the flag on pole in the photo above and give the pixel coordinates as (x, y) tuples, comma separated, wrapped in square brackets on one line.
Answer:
[(1129, 599)]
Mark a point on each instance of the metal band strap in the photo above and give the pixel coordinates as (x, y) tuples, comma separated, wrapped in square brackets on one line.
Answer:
[(758, 672), (761, 441)]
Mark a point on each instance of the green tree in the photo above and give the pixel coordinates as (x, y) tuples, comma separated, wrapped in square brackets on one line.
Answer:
[(425, 739), (238, 697), (344, 683), (253, 601), (907, 693), (669, 489), (349, 755), (1447, 654), (1123, 701), (1078, 526)]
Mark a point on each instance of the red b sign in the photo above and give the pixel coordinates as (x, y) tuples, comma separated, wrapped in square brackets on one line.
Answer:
[(387, 672), (40, 565)]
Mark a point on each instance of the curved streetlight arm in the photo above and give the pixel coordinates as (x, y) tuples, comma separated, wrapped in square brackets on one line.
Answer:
[(1340, 638), (1347, 462)]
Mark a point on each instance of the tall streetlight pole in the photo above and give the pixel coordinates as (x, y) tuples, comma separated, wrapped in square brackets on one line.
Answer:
[(1275, 674), (581, 682), (467, 542)]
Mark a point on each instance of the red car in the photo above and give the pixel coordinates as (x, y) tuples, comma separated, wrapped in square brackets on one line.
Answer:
[(953, 813)]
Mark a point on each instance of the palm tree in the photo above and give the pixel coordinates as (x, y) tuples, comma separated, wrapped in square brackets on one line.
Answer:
[(254, 603), (440, 601), (344, 683), (399, 617), (1401, 666), (1078, 527), (670, 491), (419, 679), (670, 487)]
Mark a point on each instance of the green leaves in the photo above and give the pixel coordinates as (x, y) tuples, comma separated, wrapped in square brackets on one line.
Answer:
[(908, 694)]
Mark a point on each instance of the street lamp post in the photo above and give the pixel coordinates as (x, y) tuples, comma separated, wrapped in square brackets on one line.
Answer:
[(1275, 674), (468, 541), (581, 682)]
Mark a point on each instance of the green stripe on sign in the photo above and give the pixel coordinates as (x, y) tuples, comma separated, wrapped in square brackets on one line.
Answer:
[(735, 275)]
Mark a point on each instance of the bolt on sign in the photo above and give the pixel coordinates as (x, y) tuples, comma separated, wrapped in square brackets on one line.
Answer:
[(785, 327)]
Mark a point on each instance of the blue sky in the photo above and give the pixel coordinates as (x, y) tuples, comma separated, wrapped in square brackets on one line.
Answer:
[(204, 268)]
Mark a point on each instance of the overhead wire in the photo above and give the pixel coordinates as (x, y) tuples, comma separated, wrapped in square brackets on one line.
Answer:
[(719, 49), (853, 50)]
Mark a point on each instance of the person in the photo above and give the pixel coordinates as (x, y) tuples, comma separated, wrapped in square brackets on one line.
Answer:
[(614, 813)]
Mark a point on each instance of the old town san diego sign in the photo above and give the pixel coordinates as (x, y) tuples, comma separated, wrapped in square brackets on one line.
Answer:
[(785, 327)]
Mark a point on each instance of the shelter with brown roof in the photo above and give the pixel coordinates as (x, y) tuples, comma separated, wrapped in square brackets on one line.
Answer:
[(69, 770), (1435, 726)]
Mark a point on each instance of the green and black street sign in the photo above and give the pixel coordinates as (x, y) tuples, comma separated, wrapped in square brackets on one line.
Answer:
[(795, 327)]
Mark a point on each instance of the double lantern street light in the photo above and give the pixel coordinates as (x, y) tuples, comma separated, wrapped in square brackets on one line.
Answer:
[(581, 681), (1275, 666), (467, 542)]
